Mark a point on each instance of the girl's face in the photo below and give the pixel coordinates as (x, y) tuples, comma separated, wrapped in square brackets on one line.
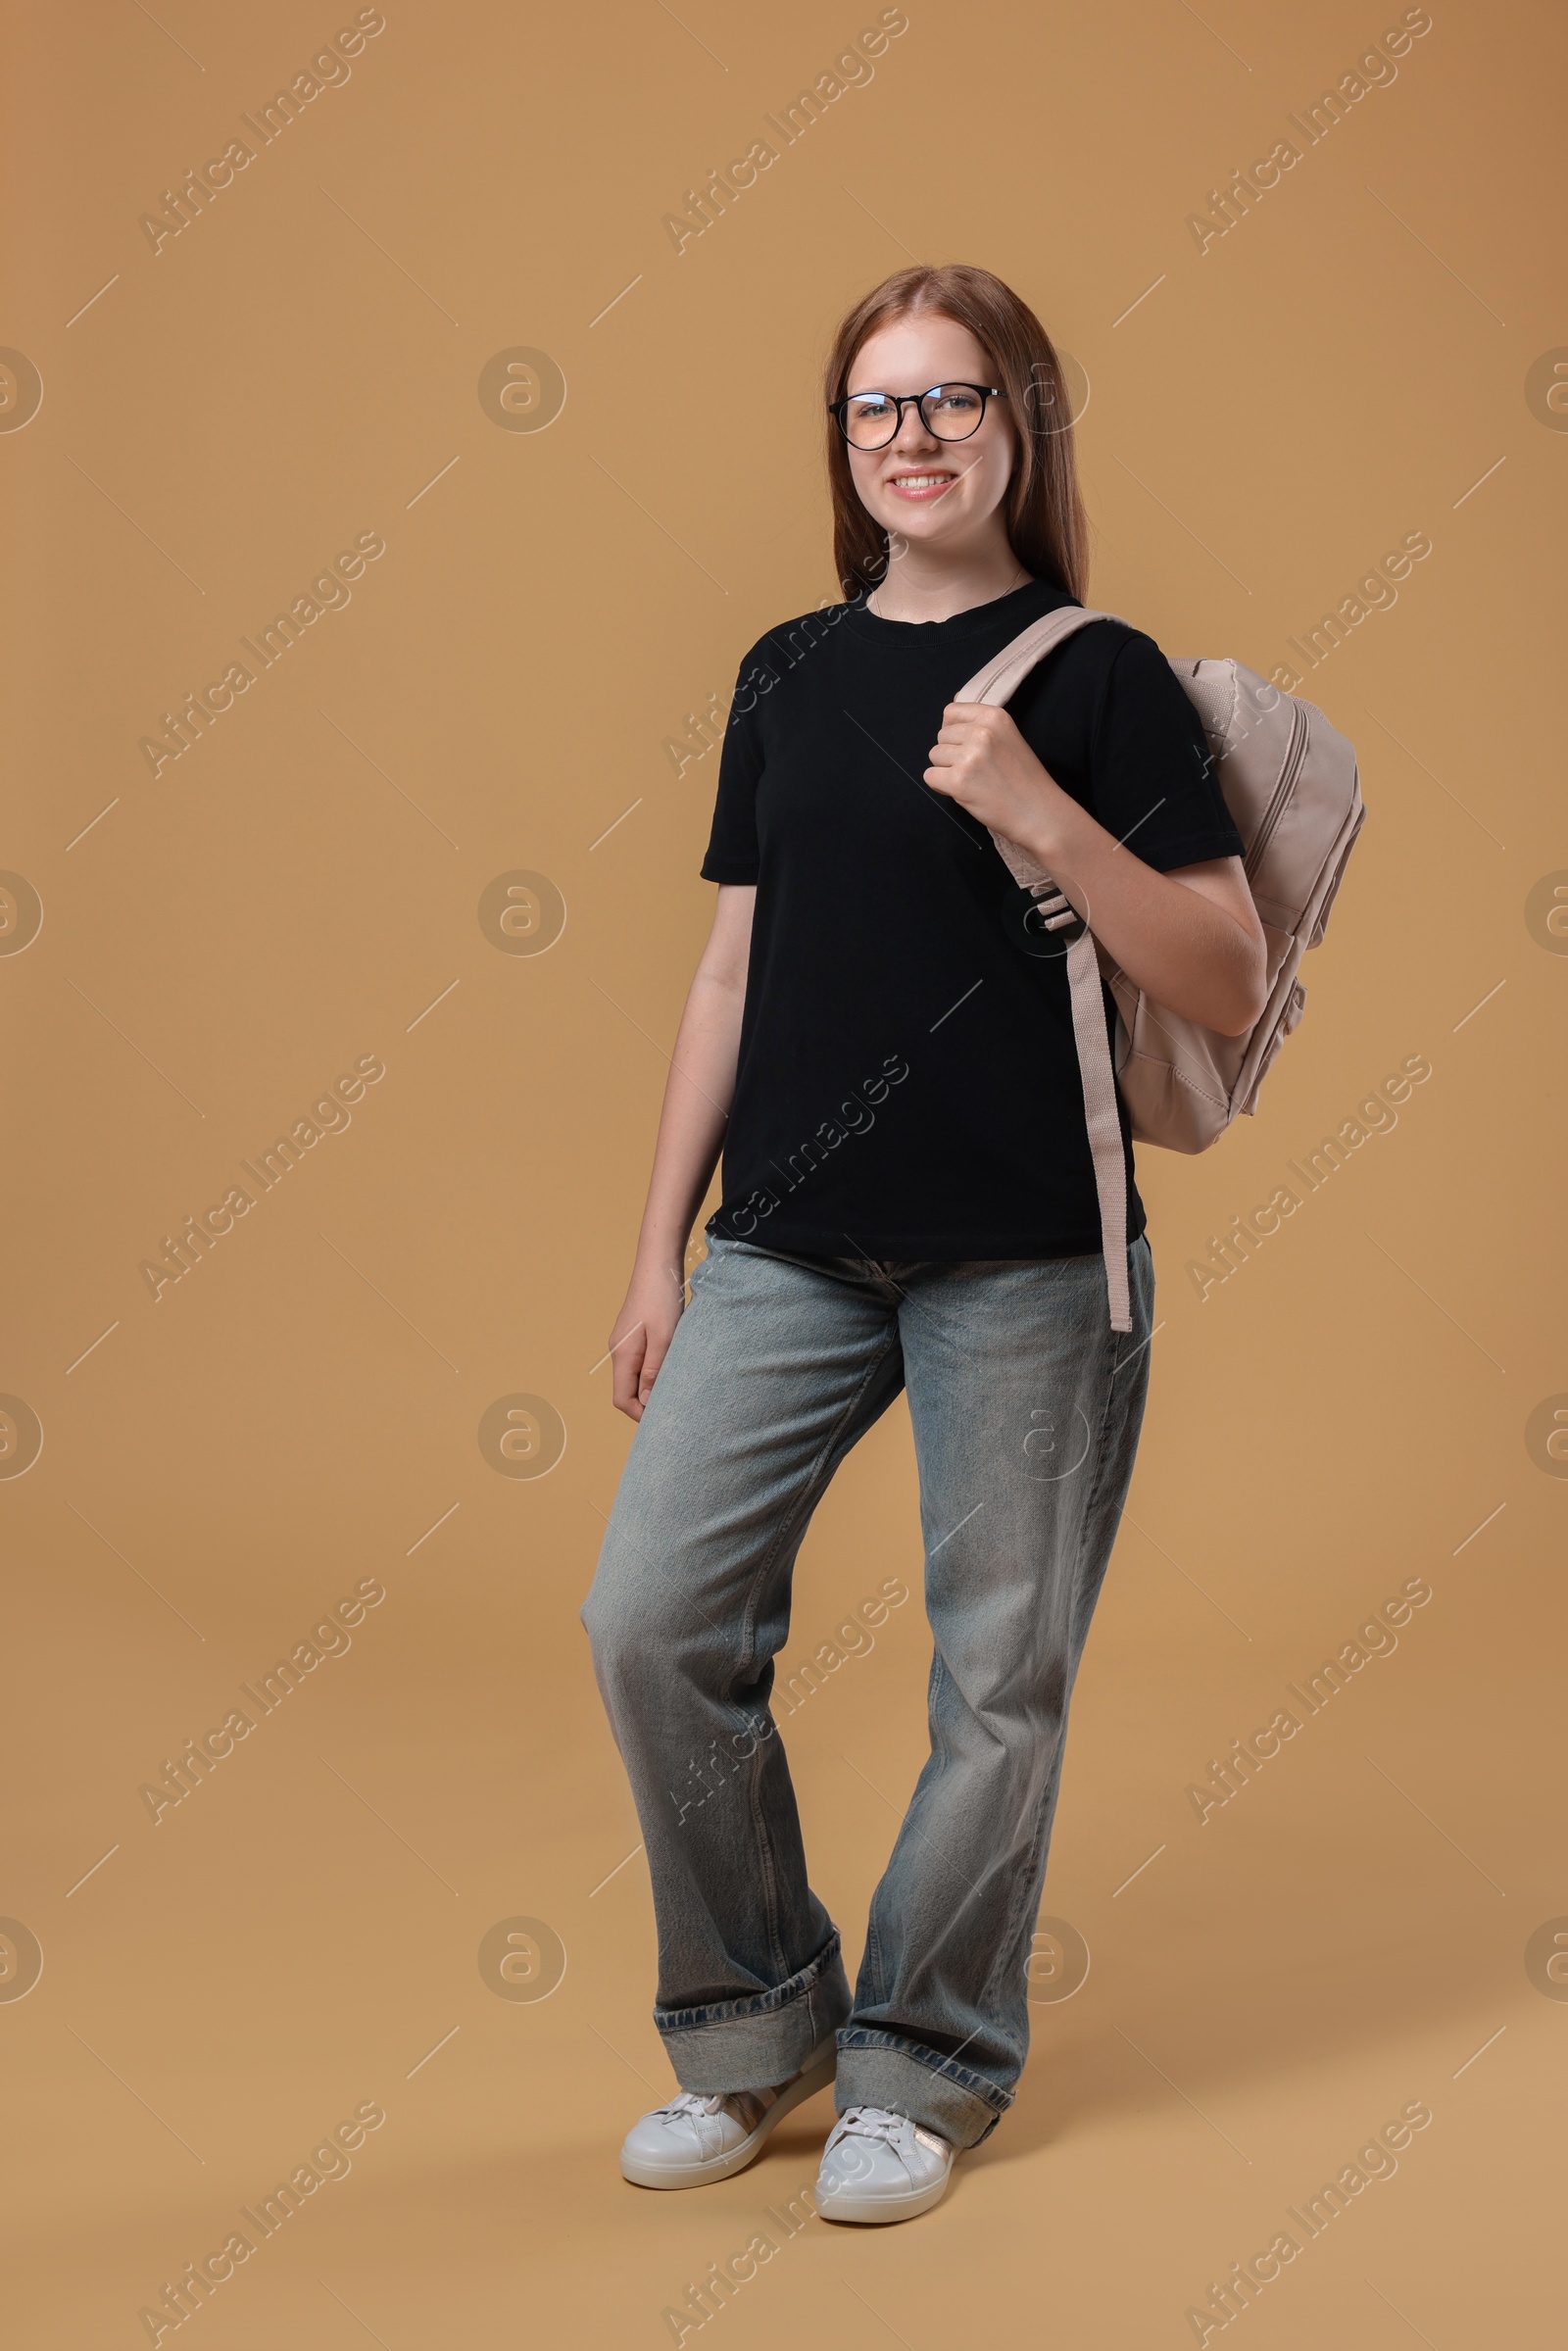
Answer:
[(937, 494)]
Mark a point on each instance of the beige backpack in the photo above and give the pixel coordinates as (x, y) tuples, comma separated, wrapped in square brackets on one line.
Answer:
[(1289, 782)]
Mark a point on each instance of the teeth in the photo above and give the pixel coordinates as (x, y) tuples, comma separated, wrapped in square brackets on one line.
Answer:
[(919, 481)]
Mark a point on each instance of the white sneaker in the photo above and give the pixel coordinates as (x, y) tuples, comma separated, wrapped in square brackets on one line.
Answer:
[(698, 2137), (878, 2165)]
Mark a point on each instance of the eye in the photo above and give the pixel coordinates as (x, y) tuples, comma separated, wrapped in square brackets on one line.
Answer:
[(956, 400), (868, 404)]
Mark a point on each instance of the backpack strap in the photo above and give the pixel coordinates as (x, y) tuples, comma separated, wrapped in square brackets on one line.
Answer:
[(999, 678)]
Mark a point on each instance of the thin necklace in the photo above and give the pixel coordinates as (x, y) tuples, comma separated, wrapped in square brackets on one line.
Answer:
[(1022, 575)]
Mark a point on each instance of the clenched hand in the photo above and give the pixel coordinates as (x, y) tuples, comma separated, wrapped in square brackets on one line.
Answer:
[(981, 760)]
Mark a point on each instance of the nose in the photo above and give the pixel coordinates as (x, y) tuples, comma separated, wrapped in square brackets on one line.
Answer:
[(913, 434)]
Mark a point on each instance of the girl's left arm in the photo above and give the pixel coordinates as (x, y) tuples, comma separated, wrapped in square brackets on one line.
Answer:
[(1191, 939)]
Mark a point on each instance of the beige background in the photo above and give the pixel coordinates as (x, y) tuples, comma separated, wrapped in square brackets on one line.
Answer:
[(220, 417)]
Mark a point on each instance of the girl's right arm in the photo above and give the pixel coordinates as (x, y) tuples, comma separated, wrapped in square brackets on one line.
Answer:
[(691, 1135)]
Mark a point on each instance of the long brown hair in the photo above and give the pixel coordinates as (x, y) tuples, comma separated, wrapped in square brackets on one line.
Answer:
[(1042, 511)]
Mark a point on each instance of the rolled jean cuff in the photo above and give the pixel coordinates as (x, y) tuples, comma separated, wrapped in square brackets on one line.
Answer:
[(757, 2042), (876, 2069)]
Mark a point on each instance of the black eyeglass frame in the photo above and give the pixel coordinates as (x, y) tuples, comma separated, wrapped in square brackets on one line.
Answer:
[(902, 401)]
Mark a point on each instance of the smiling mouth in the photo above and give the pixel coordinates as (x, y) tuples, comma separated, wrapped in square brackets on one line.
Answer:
[(921, 485)]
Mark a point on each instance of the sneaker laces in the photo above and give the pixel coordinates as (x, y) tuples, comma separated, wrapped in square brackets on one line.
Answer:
[(895, 2131), (872, 2122), (744, 2106)]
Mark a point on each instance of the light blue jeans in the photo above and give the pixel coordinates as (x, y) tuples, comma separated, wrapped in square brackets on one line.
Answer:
[(1026, 1408)]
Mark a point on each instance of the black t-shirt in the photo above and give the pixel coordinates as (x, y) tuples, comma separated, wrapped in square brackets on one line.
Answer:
[(908, 1083)]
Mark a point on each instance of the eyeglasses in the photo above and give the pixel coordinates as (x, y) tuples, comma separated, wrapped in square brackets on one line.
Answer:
[(949, 411)]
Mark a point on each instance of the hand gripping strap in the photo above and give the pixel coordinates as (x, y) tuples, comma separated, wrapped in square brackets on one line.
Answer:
[(994, 684)]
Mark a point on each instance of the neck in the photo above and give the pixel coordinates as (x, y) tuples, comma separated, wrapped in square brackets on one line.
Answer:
[(924, 583)]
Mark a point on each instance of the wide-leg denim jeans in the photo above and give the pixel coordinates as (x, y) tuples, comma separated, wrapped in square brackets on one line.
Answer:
[(1026, 1408)]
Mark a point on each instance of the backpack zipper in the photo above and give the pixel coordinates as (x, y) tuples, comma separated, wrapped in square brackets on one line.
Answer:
[(1293, 756)]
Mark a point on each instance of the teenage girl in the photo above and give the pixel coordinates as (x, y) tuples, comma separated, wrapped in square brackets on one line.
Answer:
[(885, 1055)]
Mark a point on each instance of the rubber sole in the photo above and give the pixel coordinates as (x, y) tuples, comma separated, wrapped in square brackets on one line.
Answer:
[(816, 2077), (871, 2211)]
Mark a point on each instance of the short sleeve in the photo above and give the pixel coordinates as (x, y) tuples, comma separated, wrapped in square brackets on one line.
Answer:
[(1152, 779), (733, 845)]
